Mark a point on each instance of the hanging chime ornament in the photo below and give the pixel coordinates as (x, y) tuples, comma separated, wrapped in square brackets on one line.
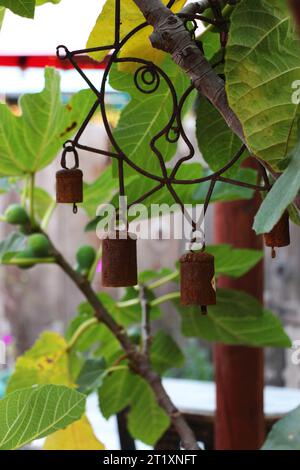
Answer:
[(279, 235), (119, 259), (197, 279), (119, 249), (69, 181)]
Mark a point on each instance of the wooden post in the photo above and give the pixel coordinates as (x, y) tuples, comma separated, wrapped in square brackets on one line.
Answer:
[(239, 370)]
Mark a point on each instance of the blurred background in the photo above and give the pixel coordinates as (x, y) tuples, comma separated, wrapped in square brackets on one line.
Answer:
[(43, 298)]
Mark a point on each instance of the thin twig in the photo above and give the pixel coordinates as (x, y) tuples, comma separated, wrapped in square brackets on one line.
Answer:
[(138, 362), (146, 326)]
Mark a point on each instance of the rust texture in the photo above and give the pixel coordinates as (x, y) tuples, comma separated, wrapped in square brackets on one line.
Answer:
[(69, 186), (295, 7), (280, 234), (197, 285), (119, 260)]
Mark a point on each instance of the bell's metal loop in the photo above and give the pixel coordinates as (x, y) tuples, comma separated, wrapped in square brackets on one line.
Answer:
[(69, 149), (62, 52)]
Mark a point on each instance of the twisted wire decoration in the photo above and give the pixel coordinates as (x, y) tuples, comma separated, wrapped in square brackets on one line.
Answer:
[(147, 79)]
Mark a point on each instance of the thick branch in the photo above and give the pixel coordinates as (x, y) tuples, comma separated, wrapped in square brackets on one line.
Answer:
[(170, 35), (138, 362), (146, 326)]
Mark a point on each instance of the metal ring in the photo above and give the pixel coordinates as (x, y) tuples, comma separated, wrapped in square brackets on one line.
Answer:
[(64, 158), (65, 54)]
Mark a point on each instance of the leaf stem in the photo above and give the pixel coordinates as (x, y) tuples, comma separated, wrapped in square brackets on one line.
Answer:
[(93, 269), (153, 303), (83, 327), (165, 298), (48, 215), (27, 261), (164, 280), (31, 198)]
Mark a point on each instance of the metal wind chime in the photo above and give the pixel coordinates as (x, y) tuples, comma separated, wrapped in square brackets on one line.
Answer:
[(120, 250)]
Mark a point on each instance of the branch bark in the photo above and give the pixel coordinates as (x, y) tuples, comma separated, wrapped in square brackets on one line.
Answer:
[(138, 362), (146, 326), (170, 35)]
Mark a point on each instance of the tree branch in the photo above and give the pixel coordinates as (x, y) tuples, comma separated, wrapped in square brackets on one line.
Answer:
[(138, 362), (170, 35), (146, 326)]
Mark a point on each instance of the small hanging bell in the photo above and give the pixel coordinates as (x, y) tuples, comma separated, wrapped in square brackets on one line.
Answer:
[(69, 181), (279, 235), (197, 280), (119, 259)]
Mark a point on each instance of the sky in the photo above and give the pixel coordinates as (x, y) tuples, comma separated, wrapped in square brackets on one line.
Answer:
[(66, 23), (63, 23)]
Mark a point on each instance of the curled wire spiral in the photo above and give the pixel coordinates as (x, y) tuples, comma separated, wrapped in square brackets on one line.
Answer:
[(147, 79)]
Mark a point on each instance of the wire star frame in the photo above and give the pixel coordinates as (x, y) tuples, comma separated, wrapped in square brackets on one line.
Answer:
[(147, 78)]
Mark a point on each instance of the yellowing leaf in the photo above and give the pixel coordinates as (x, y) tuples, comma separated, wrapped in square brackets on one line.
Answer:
[(139, 45), (77, 436), (45, 363)]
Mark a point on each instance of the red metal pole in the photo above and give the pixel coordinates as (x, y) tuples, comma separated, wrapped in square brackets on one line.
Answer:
[(239, 370)]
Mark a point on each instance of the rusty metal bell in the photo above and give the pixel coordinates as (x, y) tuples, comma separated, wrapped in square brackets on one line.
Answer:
[(279, 235), (197, 280), (119, 259), (69, 181)]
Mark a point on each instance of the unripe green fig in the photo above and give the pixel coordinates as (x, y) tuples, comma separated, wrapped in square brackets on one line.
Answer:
[(25, 255), (85, 257), (16, 215), (38, 244)]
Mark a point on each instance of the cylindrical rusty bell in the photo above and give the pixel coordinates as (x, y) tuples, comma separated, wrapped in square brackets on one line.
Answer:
[(279, 235), (197, 279), (119, 259), (69, 181), (69, 186)]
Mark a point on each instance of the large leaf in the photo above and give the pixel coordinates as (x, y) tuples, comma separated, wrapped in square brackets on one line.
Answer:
[(35, 412), (133, 313), (43, 203), (165, 353), (217, 143), (30, 142), (15, 242), (77, 436), (23, 7), (224, 192), (42, 2), (2, 14), (141, 185), (146, 420), (20, 7), (103, 33), (236, 319), (101, 191), (123, 316), (146, 115), (234, 262), (91, 375), (285, 434), (45, 363), (281, 195), (116, 392), (136, 186), (95, 336), (262, 62)]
